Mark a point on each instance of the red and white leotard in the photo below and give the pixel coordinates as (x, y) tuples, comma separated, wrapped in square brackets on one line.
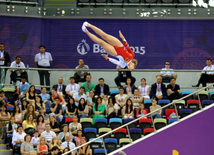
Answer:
[(124, 54)]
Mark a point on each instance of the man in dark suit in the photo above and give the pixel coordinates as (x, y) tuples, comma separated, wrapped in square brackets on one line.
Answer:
[(60, 87), (4, 59), (158, 90), (102, 89)]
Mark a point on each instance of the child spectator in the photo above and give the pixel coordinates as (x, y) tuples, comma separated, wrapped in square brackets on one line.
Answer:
[(142, 111), (35, 139), (10, 127), (79, 137)]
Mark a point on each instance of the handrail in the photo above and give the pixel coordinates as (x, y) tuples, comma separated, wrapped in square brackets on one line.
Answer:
[(139, 119)]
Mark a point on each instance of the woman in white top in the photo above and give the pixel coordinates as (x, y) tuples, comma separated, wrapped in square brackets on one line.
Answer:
[(75, 126), (144, 89)]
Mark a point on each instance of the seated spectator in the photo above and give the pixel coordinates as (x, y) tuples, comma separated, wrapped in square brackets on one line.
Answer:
[(15, 69), (167, 75), (64, 133), (39, 104), (23, 87), (105, 100), (81, 75), (74, 126), (68, 143), (91, 99), (144, 89), (60, 87), (142, 111), (55, 142), (26, 146), (102, 89), (35, 139), (10, 127), (72, 88), (4, 118), (18, 138), (24, 107), (28, 123), (129, 88), (60, 97), (111, 110), (85, 150), (79, 137), (46, 116), (55, 126), (30, 110), (70, 109), (48, 134), (120, 99), (82, 109), (66, 150), (158, 90), (3, 97), (173, 90), (45, 97), (128, 110), (42, 149), (40, 124), (98, 109), (15, 99), (56, 109), (154, 107), (136, 99), (17, 114), (31, 95), (55, 151), (88, 85), (122, 76), (79, 95)]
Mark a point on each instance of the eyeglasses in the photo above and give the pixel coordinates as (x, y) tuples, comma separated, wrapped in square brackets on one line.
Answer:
[(167, 64)]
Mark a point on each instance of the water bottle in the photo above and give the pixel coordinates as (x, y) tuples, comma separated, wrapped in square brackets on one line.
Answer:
[(27, 67)]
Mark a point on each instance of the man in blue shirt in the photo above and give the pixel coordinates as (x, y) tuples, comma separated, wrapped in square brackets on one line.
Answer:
[(56, 109), (23, 87), (45, 97)]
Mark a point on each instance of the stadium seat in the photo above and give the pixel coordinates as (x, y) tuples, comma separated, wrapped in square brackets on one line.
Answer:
[(179, 105), (132, 125), (185, 112), (203, 95), (147, 104), (162, 103), (167, 1), (150, 1), (114, 92), (86, 122), (135, 133), (168, 112), (134, 1), (8, 91), (160, 123), (100, 123), (206, 103), (110, 144), (187, 92), (212, 95), (99, 151), (96, 144), (9, 108), (148, 131), (120, 133), (184, 1), (38, 91), (90, 133), (102, 131), (47, 110), (124, 141), (115, 122), (68, 120), (172, 120), (145, 123), (193, 104)]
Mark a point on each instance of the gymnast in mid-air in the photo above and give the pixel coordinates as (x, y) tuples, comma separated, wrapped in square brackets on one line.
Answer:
[(113, 46)]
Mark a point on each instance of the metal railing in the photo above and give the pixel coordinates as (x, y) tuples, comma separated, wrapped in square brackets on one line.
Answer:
[(150, 114)]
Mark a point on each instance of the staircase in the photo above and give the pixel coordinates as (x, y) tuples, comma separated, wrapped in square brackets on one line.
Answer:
[(3, 149)]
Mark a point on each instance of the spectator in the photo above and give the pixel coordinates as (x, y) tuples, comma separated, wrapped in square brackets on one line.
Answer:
[(154, 107), (144, 89), (17, 114), (81, 75), (56, 109), (158, 90), (61, 98), (91, 99), (4, 118), (142, 111), (129, 88), (74, 126), (15, 99), (4, 59), (120, 99), (79, 95), (85, 149), (88, 85), (60, 87), (136, 99), (55, 151), (43, 60), (18, 138), (79, 137), (102, 89), (15, 71), (28, 123), (48, 134), (55, 142), (45, 97), (98, 109), (35, 139), (46, 116), (10, 128), (105, 100), (64, 133), (55, 126), (69, 144), (72, 88), (42, 149), (173, 90), (122, 76), (24, 107), (31, 95), (26, 146), (30, 110), (70, 109), (82, 109), (128, 110), (39, 104), (111, 110), (23, 87), (167, 75), (66, 150), (40, 124), (206, 74)]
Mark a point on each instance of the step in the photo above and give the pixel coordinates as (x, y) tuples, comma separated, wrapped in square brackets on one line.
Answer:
[(2, 146), (2, 141), (6, 152)]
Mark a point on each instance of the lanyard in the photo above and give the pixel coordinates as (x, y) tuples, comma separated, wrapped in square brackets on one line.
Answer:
[(72, 88), (23, 86), (87, 86), (41, 55), (143, 88), (17, 65)]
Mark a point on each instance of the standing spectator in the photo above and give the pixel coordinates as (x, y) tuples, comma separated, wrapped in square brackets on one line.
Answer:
[(26, 146), (15, 71), (42, 149), (60, 87), (18, 138), (122, 76), (173, 90), (69, 144), (4, 59), (129, 88), (43, 60), (144, 89), (23, 87), (72, 88), (128, 110), (56, 109), (48, 134), (45, 97), (82, 109), (120, 99), (88, 85), (154, 107), (31, 95), (79, 95), (102, 89), (64, 133), (167, 75), (158, 90), (81, 75), (70, 109), (98, 109)]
